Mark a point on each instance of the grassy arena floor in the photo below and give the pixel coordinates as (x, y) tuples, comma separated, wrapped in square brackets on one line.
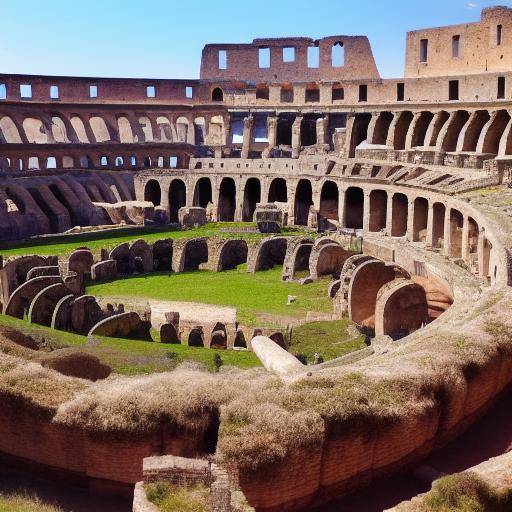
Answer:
[(22, 503), (257, 296), (64, 244)]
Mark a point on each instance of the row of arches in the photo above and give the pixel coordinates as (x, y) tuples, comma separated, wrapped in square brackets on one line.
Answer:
[(59, 129)]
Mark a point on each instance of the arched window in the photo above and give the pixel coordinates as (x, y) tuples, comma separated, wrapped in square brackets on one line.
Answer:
[(119, 161), (338, 55), (217, 94)]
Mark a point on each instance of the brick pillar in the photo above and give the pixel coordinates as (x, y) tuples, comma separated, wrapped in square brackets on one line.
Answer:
[(481, 253), (341, 207), (465, 239), (447, 243), (410, 131), (430, 225), (247, 136), (410, 220), (389, 214), (272, 135), (366, 212), (322, 130), (296, 136)]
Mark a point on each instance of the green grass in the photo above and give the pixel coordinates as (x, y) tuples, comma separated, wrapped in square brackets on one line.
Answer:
[(131, 357), (19, 503), (256, 296), (328, 339), (64, 244), (172, 498)]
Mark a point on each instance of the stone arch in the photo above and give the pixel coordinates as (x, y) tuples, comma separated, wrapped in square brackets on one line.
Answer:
[(473, 130), (199, 130), (153, 192), (203, 192), (329, 203), (177, 198), (227, 200), (219, 337), (440, 119), (401, 128), (366, 281), (327, 259), (240, 341), (162, 254), (252, 196), (401, 308), (196, 337), (421, 128), (268, 253), (420, 220), (164, 127), (182, 129), (400, 209), (378, 210), (456, 227), (217, 94), (59, 131), (43, 304), (381, 129), (359, 132), (278, 191), (9, 131), (354, 208), (492, 137), (147, 128), (35, 131), (70, 204), (195, 252), (216, 131), (79, 127), (125, 130), (297, 257), (303, 202), (99, 129), (449, 143), (232, 254)]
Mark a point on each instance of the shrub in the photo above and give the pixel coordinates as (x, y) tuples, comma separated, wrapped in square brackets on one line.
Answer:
[(217, 361)]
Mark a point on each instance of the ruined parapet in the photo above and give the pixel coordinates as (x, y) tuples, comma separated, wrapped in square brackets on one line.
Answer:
[(189, 254), (81, 261), (327, 258), (44, 303), (104, 270), (141, 257), (226, 254), (269, 218), (128, 212), (192, 216), (124, 325), (266, 253), (297, 257)]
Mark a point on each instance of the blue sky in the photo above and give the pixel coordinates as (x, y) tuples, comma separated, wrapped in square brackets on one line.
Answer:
[(164, 38)]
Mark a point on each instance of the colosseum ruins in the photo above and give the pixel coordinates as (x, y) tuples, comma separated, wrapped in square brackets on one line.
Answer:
[(131, 210)]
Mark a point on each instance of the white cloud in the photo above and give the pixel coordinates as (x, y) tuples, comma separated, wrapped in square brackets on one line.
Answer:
[(471, 5)]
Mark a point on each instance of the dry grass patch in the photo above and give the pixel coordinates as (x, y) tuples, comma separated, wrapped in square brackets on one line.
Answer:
[(25, 503), (172, 498)]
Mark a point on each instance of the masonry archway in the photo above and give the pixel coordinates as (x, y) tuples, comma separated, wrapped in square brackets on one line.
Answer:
[(329, 203), (303, 202), (203, 192), (252, 196), (378, 210), (456, 227), (153, 192), (438, 215), (278, 191), (227, 200), (232, 254), (420, 219), (177, 199), (400, 214), (354, 208)]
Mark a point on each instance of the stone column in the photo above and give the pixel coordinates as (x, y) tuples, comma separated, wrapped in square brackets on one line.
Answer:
[(272, 135), (348, 135), (322, 130), (430, 224), (341, 207), (410, 220), (505, 136), (390, 140), (389, 214), (371, 126), (465, 239), (239, 198), (410, 131), (247, 136), (366, 212), (481, 252), (447, 236), (296, 136)]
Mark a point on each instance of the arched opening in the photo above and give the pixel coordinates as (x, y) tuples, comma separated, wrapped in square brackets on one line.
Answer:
[(51, 162), (217, 94), (240, 341), (354, 208), (278, 191), (196, 252), (451, 137), (329, 204), (330, 260), (271, 252), (378, 210), (495, 131), (438, 122), (439, 211), (60, 196), (303, 202), (474, 129), (219, 339), (456, 226), (472, 249), (420, 219), (301, 258), (153, 193), (177, 199), (233, 253), (401, 128), (381, 128), (312, 93), (420, 130), (196, 337), (400, 214), (203, 192), (182, 129), (359, 132), (227, 200), (252, 196), (284, 130)]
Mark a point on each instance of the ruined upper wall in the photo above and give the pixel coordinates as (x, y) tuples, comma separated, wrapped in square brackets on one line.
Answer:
[(482, 46), (242, 60)]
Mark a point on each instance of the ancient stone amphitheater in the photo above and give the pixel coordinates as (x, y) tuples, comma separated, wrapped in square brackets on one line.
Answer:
[(404, 186)]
